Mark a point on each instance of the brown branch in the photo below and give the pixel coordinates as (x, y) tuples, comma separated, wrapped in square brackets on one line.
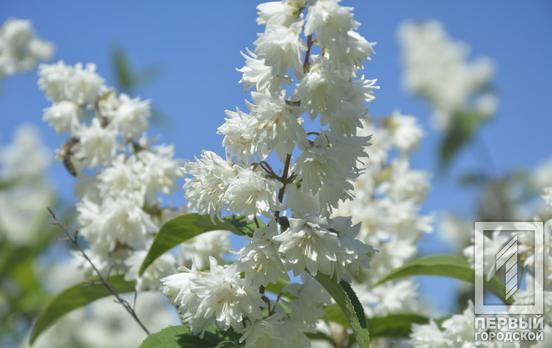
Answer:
[(285, 180), (103, 280), (306, 62)]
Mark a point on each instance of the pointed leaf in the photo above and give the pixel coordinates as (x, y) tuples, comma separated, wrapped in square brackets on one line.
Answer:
[(73, 298), (188, 226), (350, 306), (445, 266)]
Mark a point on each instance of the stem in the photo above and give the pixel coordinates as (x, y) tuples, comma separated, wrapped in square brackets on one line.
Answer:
[(306, 62), (103, 280), (285, 177)]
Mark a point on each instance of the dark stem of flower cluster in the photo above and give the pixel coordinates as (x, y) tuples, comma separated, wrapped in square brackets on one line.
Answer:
[(105, 282), (284, 180)]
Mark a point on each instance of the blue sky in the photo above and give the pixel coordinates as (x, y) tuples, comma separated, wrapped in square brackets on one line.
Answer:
[(196, 44)]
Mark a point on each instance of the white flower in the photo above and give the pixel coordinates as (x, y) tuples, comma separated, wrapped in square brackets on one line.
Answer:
[(120, 178), (78, 84), (211, 176), (131, 116), (460, 329), (307, 245), (151, 279), (25, 157), (258, 75), (436, 68), (339, 101), (276, 125), (219, 295), (198, 250), (310, 300), (97, 144), (276, 331), (116, 221), (272, 126), (279, 12), (251, 193), (329, 21), (328, 166), (405, 183), (281, 48), (392, 297), (427, 336), (238, 132), (63, 116), (405, 131), (158, 169), (20, 48), (259, 260)]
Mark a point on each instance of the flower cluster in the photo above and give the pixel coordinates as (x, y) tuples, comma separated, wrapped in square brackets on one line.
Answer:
[(437, 69), (305, 68), (387, 202), (20, 48), (24, 192), (121, 177)]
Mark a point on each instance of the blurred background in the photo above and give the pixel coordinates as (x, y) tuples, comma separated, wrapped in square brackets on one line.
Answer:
[(183, 56)]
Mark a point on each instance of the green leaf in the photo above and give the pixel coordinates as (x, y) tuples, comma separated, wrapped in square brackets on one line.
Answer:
[(72, 298), (395, 325), (392, 325), (180, 336), (445, 266), (188, 226), (350, 306), (461, 130)]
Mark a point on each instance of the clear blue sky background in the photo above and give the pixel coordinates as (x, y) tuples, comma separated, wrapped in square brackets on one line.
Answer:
[(197, 44)]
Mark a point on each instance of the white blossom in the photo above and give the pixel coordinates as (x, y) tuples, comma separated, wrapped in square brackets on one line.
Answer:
[(97, 144), (281, 48), (251, 193), (198, 250), (219, 295), (20, 48), (211, 176), (260, 260), (151, 279), (79, 84), (63, 116)]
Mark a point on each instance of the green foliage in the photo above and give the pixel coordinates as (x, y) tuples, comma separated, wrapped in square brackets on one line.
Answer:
[(73, 298), (188, 226), (180, 336), (392, 325), (350, 306), (127, 78), (442, 265), (459, 133)]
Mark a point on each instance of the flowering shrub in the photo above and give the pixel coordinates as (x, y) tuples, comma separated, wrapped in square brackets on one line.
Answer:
[(322, 193)]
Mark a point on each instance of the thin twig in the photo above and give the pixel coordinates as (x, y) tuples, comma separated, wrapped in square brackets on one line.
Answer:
[(306, 62), (285, 180), (102, 279)]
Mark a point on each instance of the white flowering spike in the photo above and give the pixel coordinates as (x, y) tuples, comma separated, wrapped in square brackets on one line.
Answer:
[(286, 174), (436, 68), (122, 178), (20, 48)]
